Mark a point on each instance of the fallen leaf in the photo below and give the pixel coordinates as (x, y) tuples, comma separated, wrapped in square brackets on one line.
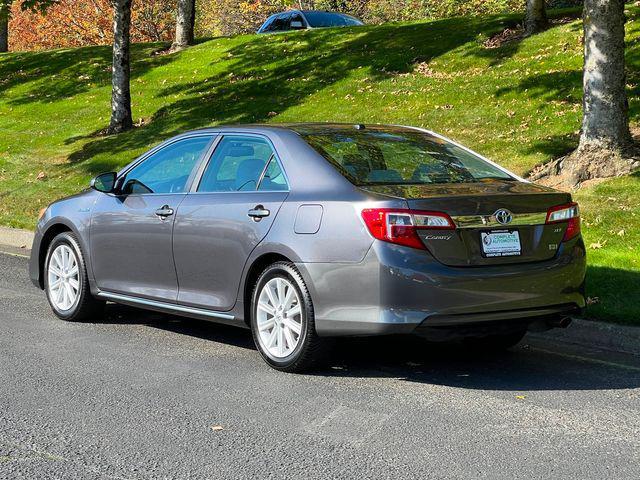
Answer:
[(272, 114), (41, 176), (593, 300), (520, 397), (621, 233), (597, 245)]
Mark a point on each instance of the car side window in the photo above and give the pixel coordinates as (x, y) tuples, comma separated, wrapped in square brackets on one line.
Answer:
[(267, 27), (236, 164), (168, 169), (296, 22), (273, 178), (280, 23)]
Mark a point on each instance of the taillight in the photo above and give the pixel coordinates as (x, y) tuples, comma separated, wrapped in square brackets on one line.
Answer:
[(400, 225), (569, 213)]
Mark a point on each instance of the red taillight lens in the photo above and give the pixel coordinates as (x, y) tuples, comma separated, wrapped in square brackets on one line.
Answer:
[(400, 225), (568, 213)]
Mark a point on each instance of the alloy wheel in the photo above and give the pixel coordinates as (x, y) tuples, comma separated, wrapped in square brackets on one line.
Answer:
[(279, 317), (63, 278)]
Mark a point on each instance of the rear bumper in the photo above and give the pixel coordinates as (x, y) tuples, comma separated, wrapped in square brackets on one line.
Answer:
[(397, 289)]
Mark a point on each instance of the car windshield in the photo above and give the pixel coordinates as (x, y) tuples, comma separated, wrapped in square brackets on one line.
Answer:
[(399, 157), (325, 19)]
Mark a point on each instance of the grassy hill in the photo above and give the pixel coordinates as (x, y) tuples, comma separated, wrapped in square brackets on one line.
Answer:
[(518, 103)]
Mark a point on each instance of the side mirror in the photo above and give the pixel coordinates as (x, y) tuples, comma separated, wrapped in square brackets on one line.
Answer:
[(105, 182), (297, 25)]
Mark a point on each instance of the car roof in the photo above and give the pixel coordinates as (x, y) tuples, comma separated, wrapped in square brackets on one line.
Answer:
[(308, 128)]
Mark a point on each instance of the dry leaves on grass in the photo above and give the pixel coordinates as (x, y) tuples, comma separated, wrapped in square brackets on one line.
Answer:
[(424, 69), (593, 300), (505, 36), (597, 245)]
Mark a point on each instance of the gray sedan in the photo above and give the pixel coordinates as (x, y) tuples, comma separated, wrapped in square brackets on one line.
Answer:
[(308, 231)]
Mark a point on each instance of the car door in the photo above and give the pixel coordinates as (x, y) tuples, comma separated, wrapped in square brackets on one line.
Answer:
[(224, 218), (131, 230)]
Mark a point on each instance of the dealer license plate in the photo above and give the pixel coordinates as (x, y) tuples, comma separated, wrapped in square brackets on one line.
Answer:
[(500, 243)]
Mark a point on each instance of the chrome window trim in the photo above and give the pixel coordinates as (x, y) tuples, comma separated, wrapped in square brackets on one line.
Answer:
[(489, 221), (169, 306)]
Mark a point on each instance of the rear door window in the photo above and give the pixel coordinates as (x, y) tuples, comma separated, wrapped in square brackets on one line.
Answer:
[(239, 163)]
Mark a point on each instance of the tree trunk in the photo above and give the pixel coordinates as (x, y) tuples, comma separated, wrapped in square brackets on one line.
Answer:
[(535, 19), (185, 24), (121, 71), (4, 29), (606, 148), (605, 121)]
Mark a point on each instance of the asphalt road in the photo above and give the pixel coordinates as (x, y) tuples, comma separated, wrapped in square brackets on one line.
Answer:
[(140, 395)]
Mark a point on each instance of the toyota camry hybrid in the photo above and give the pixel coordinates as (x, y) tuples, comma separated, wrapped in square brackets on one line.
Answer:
[(306, 231)]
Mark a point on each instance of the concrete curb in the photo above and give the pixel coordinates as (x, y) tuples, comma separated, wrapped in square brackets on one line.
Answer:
[(605, 336), (16, 238), (587, 333)]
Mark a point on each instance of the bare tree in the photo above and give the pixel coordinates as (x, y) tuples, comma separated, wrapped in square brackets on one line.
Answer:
[(535, 19), (185, 24), (121, 119)]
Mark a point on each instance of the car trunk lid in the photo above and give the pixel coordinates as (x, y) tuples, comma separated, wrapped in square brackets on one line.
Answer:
[(497, 222)]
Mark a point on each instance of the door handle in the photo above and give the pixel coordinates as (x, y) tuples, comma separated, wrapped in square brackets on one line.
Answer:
[(164, 211), (258, 212)]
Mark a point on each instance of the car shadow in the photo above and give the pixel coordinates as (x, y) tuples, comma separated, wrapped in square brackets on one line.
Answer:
[(527, 367)]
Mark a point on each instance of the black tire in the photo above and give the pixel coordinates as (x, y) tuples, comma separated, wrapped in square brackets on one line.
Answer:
[(86, 307), (308, 352), (497, 342)]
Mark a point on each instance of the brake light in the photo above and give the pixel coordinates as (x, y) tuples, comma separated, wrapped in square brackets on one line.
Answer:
[(400, 226), (569, 213)]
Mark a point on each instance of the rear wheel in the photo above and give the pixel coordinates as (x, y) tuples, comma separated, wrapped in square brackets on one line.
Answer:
[(497, 342), (66, 282), (282, 319)]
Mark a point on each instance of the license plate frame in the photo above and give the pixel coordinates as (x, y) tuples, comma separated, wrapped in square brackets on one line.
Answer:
[(500, 243)]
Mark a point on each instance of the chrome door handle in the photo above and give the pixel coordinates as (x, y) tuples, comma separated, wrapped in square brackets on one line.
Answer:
[(164, 211), (258, 212)]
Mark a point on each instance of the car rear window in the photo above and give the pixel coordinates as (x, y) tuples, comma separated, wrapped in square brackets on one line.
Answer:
[(372, 157), (324, 19)]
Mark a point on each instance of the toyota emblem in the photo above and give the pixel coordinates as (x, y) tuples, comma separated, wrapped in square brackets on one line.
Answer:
[(503, 216)]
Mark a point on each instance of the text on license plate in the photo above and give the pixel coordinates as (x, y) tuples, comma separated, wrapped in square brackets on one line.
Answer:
[(500, 243)]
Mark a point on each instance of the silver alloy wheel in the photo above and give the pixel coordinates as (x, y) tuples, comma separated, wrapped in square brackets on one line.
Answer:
[(279, 317), (63, 278)]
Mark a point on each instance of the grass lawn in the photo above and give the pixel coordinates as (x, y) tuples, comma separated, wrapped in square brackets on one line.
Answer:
[(519, 104)]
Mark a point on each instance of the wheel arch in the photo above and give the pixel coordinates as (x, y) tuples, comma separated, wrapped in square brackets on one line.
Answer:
[(49, 234), (253, 272)]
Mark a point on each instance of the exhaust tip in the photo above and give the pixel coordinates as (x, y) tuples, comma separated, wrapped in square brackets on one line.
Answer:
[(559, 322)]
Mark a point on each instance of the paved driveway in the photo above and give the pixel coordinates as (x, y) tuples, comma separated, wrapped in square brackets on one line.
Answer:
[(140, 395)]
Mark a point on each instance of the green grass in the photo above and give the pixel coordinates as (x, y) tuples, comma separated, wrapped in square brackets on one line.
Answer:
[(519, 104)]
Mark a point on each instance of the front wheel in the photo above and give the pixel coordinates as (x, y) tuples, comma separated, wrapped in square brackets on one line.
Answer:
[(282, 319), (66, 282)]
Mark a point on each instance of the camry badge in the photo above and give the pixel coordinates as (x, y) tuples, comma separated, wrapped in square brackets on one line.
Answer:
[(503, 216)]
